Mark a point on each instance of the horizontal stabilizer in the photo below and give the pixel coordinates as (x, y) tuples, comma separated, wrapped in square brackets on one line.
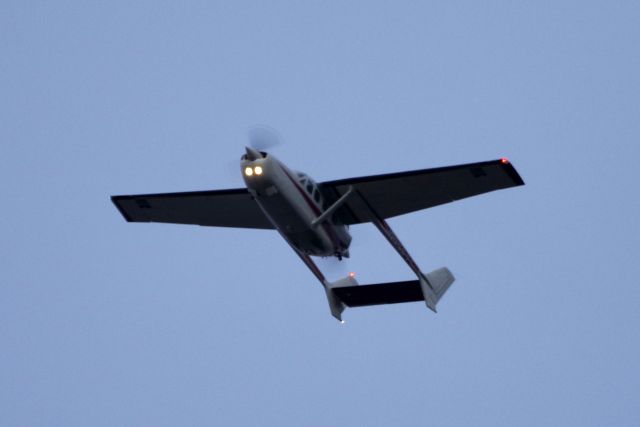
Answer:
[(382, 293), (430, 289)]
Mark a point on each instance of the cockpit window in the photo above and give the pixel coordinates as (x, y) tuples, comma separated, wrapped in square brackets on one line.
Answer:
[(309, 188), (316, 195)]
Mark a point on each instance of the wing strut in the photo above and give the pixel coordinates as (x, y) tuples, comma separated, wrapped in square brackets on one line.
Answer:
[(434, 284), (332, 209)]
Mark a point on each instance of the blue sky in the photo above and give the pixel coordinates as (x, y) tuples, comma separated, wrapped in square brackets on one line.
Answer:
[(108, 323)]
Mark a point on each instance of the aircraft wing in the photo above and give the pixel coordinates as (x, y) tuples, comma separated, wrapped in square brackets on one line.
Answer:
[(400, 193), (221, 208)]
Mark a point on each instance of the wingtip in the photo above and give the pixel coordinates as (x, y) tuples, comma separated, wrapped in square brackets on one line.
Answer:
[(511, 171), (114, 200)]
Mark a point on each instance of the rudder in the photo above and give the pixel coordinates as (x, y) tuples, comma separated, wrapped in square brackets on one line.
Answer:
[(434, 285), (336, 306)]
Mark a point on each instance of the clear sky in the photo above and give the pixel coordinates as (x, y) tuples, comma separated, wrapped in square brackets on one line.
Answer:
[(106, 323)]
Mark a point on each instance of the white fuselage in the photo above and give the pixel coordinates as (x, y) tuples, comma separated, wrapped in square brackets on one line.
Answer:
[(292, 201)]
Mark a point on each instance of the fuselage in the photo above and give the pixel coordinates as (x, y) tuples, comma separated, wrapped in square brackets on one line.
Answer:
[(292, 201)]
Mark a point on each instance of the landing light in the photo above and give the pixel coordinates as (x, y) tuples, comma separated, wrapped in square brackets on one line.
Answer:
[(248, 171), (504, 160), (352, 274), (258, 170)]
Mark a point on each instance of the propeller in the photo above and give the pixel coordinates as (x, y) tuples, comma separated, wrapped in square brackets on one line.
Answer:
[(262, 138)]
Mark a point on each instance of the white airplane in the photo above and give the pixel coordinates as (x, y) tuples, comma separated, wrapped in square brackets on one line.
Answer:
[(314, 218)]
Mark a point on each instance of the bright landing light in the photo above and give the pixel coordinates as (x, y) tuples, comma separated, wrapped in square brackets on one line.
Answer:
[(258, 170), (248, 171)]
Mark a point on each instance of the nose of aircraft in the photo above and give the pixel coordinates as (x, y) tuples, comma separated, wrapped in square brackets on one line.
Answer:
[(253, 154)]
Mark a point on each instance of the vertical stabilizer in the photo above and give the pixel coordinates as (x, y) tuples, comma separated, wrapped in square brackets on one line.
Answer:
[(335, 305), (434, 285)]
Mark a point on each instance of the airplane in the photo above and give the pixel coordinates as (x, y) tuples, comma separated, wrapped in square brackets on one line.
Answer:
[(314, 218)]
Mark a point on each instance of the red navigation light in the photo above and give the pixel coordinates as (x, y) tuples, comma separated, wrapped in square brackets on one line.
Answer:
[(504, 160)]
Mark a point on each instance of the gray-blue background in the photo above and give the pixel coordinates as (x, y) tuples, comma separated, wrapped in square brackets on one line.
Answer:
[(105, 323)]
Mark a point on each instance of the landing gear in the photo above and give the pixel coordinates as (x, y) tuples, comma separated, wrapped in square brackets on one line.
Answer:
[(343, 254)]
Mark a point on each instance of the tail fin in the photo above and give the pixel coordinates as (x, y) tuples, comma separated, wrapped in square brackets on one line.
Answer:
[(335, 304), (434, 285)]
